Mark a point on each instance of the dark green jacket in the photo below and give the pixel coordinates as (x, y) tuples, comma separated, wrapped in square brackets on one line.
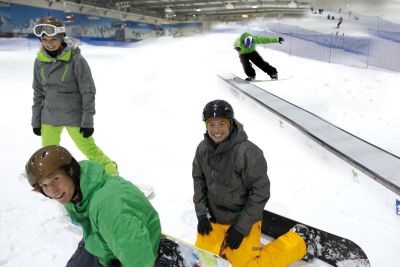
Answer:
[(117, 219), (64, 90), (231, 181), (257, 40)]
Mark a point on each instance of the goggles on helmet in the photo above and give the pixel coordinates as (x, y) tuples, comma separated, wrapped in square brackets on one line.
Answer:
[(48, 29)]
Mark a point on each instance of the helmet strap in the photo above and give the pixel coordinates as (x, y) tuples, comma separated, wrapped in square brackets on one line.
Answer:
[(74, 171)]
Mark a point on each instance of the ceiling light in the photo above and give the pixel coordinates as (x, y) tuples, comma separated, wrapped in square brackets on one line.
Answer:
[(168, 10), (255, 6), (198, 10), (229, 6), (245, 16), (292, 4)]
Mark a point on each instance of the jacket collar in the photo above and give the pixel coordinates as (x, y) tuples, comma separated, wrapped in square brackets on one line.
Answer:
[(43, 57)]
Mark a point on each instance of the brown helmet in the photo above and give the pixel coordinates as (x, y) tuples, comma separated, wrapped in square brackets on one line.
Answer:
[(51, 20), (45, 161)]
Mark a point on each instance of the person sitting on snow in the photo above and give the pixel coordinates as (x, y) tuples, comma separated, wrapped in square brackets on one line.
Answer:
[(231, 188), (246, 46), (120, 226)]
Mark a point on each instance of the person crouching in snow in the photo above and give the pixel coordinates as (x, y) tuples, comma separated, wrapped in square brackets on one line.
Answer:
[(64, 92), (231, 188), (246, 46), (120, 226)]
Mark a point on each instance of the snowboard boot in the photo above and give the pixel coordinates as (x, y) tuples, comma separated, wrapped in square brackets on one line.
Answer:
[(250, 79), (310, 238), (274, 76), (169, 254)]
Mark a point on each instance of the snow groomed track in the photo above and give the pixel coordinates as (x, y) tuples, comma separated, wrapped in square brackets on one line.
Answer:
[(379, 164)]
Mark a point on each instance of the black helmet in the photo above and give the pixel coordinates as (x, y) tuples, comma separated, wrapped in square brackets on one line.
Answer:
[(217, 109)]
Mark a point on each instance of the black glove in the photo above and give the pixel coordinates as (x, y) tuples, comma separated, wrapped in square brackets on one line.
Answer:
[(237, 49), (114, 263), (234, 238), (280, 40), (204, 226), (86, 132), (37, 131)]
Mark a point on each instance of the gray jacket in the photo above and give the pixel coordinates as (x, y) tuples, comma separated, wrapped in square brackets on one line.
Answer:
[(231, 181), (64, 90)]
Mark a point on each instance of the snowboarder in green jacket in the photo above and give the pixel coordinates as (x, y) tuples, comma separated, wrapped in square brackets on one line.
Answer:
[(120, 226), (64, 92), (246, 46)]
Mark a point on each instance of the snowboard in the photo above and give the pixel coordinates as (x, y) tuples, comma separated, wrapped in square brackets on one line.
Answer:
[(147, 190), (174, 252), (334, 250), (261, 80)]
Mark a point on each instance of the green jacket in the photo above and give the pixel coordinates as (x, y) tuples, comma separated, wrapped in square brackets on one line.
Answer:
[(257, 40), (230, 180), (64, 90), (117, 219)]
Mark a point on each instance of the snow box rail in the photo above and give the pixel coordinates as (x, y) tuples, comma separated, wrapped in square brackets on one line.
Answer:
[(379, 164)]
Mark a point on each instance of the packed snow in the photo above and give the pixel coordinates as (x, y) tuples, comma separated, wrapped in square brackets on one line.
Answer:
[(149, 101)]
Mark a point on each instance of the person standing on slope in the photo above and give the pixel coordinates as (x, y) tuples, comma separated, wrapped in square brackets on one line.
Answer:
[(340, 21), (231, 188), (64, 92), (246, 46)]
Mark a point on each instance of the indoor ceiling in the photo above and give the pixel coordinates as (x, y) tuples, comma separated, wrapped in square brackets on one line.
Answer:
[(191, 10)]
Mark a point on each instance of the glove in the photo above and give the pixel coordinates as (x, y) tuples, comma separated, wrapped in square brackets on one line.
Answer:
[(37, 131), (237, 49), (204, 226), (234, 238), (281, 40), (114, 263), (86, 132)]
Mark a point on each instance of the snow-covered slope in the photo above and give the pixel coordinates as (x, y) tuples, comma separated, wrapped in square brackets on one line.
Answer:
[(149, 102)]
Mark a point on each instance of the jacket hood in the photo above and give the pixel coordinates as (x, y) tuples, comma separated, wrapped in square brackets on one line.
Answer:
[(95, 179), (72, 43), (236, 136), (243, 36)]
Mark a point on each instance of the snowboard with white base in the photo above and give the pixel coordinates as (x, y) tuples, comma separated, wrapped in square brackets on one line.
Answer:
[(147, 190), (174, 252), (261, 80)]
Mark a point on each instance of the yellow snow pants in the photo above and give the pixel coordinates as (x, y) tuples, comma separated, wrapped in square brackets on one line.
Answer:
[(51, 136), (281, 252)]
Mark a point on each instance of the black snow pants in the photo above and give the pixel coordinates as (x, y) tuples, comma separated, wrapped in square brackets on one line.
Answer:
[(258, 61), (82, 258), (168, 256)]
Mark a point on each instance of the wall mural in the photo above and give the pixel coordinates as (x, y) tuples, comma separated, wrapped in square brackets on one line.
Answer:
[(18, 20)]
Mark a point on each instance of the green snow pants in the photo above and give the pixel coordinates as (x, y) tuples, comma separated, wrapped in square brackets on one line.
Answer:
[(51, 135)]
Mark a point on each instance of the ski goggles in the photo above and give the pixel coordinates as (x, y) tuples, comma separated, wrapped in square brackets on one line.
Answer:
[(48, 29), (248, 41)]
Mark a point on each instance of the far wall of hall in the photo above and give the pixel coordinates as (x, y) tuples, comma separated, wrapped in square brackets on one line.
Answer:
[(19, 19)]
